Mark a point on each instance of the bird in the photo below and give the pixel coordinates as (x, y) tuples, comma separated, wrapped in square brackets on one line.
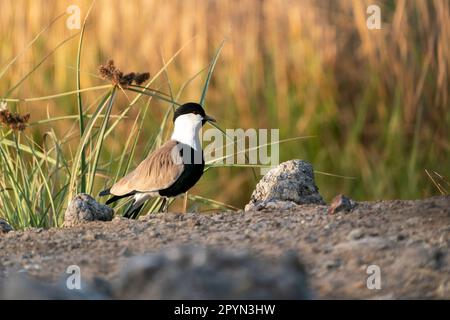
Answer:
[(170, 170)]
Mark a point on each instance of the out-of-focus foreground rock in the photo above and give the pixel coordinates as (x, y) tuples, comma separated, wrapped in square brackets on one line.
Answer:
[(182, 273)]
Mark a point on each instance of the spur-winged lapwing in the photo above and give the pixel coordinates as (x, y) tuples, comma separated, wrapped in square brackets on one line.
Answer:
[(169, 171)]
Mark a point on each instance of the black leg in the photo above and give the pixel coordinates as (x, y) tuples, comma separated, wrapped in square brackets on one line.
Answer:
[(166, 206), (162, 207), (133, 211)]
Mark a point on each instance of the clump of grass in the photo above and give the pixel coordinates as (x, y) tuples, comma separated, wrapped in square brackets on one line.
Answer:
[(39, 179)]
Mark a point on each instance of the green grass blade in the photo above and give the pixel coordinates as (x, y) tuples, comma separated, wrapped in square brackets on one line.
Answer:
[(231, 138), (150, 89), (83, 141), (210, 71), (44, 178), (136, 139), (27, 149), (132, 137), (100, 140), (55, 119), (151, 94), (214, 203), (58, 95), (258, 147), (79, 100)]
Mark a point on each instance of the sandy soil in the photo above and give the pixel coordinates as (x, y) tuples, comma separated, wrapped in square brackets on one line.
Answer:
[(408, 240)]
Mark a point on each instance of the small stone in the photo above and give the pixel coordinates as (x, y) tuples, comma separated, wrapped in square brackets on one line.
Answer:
[(401, 237), (155, 234), (291, 182), (89, 236), (5, 227), (118, 219), (83, 208), (341, 203), (332, 264), (192, 223), (356, 234)]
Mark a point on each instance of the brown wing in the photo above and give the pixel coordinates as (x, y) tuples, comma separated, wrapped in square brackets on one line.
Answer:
[(158, 171)]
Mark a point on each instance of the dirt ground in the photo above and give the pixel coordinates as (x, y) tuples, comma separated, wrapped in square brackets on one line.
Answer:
[(408, 240)]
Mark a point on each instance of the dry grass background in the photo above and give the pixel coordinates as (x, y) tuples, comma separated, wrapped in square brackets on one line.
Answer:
[(377, 100)]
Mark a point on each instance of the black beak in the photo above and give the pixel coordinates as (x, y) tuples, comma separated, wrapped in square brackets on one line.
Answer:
[(209, 119)]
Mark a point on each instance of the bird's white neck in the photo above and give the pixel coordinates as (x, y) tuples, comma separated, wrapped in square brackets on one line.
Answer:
[(186, 130)]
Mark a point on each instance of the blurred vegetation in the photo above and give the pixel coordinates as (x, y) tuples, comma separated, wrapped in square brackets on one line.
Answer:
[(377, 100)]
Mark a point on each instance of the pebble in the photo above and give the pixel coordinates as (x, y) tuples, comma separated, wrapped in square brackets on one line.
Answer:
[(356, 234), (341, 203)]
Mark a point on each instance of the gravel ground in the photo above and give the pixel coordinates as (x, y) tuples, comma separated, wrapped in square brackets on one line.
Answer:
[(408, 240)]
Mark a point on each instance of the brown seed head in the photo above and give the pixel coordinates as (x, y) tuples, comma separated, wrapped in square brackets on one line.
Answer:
[(14, 120), (108, 71), (127, 79), (140, 78)]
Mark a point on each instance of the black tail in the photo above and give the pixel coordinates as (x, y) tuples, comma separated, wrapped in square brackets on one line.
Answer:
[(133, 211), (105, 192), (116, 198)]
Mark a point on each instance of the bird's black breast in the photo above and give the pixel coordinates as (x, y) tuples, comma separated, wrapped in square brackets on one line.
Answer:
[(194, 164)]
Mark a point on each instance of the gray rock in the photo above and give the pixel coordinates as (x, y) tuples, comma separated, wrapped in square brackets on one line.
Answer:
[(341, 203), (83, 208), (291, 181), (5, 227), (206, 273)]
